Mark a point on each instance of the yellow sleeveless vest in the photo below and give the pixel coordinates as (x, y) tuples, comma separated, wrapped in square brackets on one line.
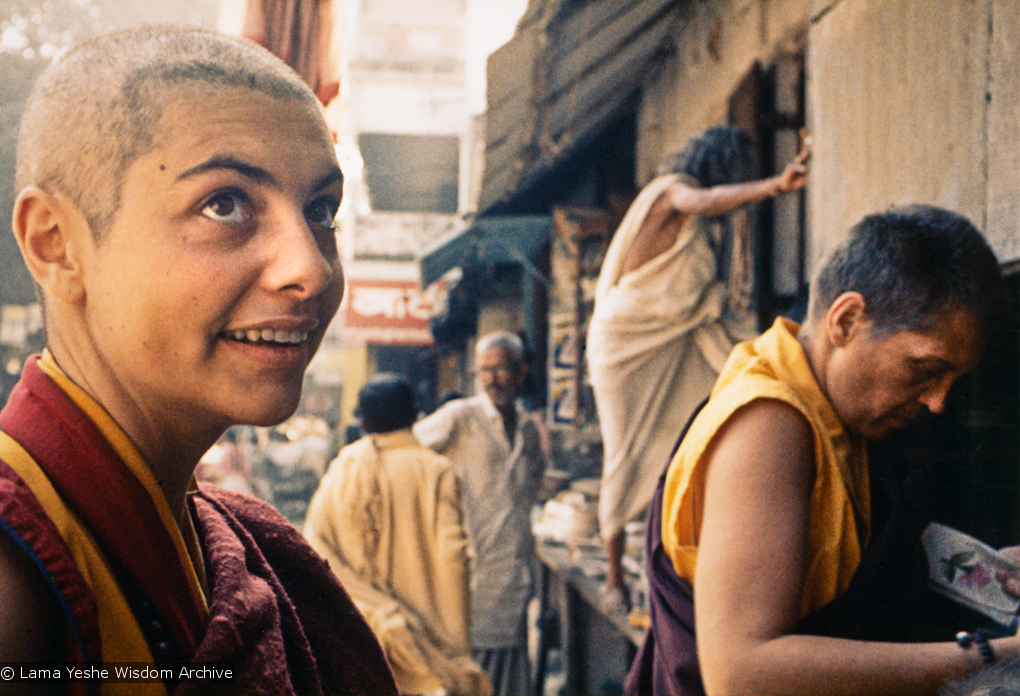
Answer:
[(774, 366)]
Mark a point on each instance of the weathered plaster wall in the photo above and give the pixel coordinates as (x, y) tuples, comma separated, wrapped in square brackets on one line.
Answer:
[(896, 102), (914, 101), (908, 101), (717, 43), (1002, 206)]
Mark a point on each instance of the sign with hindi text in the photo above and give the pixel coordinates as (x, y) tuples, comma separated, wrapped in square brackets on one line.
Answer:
[(387, 312)]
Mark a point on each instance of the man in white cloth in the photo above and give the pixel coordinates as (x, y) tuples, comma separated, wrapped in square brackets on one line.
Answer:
[(499, 453), (673, 296)]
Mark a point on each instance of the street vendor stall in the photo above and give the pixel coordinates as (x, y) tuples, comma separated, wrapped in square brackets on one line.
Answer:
[(596, 645)]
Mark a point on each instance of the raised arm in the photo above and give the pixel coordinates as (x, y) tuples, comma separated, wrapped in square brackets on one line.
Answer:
[(436, 431), (717, 200), (681, 200), (750, 573)]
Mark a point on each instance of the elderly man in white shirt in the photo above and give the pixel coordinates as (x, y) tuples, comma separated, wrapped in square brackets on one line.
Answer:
[(499, 455)]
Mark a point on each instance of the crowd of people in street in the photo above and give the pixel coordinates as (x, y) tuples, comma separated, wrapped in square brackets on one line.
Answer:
[(202, 161), (401, 510)]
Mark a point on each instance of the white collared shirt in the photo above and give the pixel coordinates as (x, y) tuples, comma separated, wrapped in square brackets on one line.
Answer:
[(500, 481)]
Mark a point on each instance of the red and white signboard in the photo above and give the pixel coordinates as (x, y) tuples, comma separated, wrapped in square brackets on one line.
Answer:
[(387, 312)]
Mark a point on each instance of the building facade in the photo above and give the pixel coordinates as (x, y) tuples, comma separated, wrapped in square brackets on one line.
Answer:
[(906, 101)]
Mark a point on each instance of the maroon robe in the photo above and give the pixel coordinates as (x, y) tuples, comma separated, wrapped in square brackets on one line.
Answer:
[(277, 614)]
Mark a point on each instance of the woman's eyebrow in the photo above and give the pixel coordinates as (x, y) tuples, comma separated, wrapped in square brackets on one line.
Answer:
[(334, 175), (250, 171), (253, 172)]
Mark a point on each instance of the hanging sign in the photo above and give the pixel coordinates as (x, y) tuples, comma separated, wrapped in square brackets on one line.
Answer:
[(387, 312)]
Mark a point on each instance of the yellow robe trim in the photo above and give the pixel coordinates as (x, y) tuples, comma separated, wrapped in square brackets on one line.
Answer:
[(774, 366), (188, 549), (121, 637)]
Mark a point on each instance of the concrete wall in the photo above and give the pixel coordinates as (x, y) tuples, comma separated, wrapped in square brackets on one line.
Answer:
[(914, 101), (896, 95), (716, 45), (908, 101)]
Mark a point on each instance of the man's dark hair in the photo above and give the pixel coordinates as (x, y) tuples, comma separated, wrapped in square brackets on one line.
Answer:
[(720, 155), (913, 265), (386, 403)]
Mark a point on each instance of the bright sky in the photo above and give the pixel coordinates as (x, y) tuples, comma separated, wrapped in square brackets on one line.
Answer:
[(490, 24)]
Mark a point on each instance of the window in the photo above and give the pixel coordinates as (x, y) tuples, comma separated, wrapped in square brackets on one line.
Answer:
[(769, 104), (411, 173)]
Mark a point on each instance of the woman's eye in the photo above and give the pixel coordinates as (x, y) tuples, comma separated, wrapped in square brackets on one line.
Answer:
[(229, 208), (322, 213)]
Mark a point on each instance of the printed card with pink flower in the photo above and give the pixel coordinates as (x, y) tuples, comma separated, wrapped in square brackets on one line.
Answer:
[(963, 569)]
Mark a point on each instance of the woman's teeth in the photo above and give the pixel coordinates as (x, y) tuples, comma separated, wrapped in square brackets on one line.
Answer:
[(268, 336)]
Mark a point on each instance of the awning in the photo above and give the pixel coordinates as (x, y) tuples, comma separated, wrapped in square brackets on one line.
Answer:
[(568, 72), (492, 240)]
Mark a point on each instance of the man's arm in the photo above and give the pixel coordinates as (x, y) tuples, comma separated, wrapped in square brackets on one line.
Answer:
[(436, 431), (537, 450), (717, 200), (454, 576), (680, 201), (750, 573)]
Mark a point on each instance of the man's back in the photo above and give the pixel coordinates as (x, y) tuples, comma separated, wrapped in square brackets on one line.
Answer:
[(387, 517), (391, 510)]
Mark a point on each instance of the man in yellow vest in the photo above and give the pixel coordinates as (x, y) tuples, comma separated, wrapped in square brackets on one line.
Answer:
[(758, 548)]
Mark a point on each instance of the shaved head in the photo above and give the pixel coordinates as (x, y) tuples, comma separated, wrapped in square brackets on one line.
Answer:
[(99, 108)]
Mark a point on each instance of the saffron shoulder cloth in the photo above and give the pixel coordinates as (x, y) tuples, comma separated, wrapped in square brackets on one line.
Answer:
[(122, 576)]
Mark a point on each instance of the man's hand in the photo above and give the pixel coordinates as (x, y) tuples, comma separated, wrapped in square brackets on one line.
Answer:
[(1010, 580), (794, 176)]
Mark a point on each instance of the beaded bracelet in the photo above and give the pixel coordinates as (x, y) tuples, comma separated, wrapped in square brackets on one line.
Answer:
[(967, 638)]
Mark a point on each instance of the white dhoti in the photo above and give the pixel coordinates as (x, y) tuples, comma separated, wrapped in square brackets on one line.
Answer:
[(657, 339)]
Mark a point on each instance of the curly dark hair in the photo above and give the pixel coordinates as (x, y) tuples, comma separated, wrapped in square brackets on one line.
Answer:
[(720, 155)]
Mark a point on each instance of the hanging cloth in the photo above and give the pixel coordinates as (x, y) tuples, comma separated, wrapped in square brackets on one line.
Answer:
[(300, 32)]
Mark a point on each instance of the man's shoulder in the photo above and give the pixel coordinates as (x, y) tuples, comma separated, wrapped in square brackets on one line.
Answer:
[(458, 410), (410, 456), (464, 406), (756, 393), (354, 450), (433, 463), (407, 450)]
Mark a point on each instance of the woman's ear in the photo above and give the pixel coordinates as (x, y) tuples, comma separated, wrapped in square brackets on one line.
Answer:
[(50, 230), (846, 318)]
